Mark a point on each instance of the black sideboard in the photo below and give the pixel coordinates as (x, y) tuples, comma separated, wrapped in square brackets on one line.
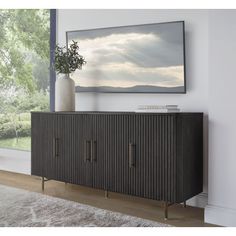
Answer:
[(151, 155)]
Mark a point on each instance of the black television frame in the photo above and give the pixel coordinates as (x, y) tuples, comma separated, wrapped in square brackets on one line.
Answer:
[(124, 26)]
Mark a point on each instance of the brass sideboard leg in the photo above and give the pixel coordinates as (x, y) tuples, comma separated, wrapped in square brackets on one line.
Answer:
[(42, 183), (185, 204), (166, 210), (106, 194)]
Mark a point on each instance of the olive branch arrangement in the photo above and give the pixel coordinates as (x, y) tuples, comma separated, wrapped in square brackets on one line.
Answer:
[(67, 60)]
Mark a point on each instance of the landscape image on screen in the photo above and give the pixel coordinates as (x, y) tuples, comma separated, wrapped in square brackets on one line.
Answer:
[(133, 59)]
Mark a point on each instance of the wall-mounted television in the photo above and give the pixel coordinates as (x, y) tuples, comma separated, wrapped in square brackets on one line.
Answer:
[(148, 58)]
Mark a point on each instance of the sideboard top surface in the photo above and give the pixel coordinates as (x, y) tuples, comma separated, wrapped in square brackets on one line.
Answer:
[(116, 112)]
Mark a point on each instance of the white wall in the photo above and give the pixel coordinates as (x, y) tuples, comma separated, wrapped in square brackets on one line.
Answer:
[(222, 118), (196, 99)]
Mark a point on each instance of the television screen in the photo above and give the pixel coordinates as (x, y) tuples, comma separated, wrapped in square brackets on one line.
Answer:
[(131, 59)]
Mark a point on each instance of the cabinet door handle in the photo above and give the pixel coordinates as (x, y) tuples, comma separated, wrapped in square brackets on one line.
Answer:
[(131, 155), (91, 150), (87, 150), (56, 147), (94, 150)]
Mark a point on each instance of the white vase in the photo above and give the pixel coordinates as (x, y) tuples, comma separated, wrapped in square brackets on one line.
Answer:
[(64, 94)]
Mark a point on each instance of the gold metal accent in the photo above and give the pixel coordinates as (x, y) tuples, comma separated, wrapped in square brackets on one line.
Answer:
[(166, 210), (91, 150), (185, 204), (131, 155), (166, 205), (42, 183), (106, 194)]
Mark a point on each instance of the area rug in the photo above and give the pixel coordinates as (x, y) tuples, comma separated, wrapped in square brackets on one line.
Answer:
[(21, 208)]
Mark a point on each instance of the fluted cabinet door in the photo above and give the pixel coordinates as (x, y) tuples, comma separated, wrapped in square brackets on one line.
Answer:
[(64, 148), (37, 150), (98, 142), (120, 147), (103, 150), (156, 156), (50, 146), (81, 156), (78, 165), (44, 161)]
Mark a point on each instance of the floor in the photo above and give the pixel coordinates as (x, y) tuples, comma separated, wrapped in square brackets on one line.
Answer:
[(15, 160), (144, 208)]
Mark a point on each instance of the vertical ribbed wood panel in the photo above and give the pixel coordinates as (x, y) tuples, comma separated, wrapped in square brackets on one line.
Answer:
[(49, 123), (36, 145), (99, 147), (66, 149), (43, 161), (82, 132), (156, 156), (120, 132)]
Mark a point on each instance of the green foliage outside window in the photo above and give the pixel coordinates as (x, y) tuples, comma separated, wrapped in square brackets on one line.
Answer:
[(24, 72)]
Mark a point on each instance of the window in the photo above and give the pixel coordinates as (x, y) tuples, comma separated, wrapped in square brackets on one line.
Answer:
[(24, 73), (25, 40)]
